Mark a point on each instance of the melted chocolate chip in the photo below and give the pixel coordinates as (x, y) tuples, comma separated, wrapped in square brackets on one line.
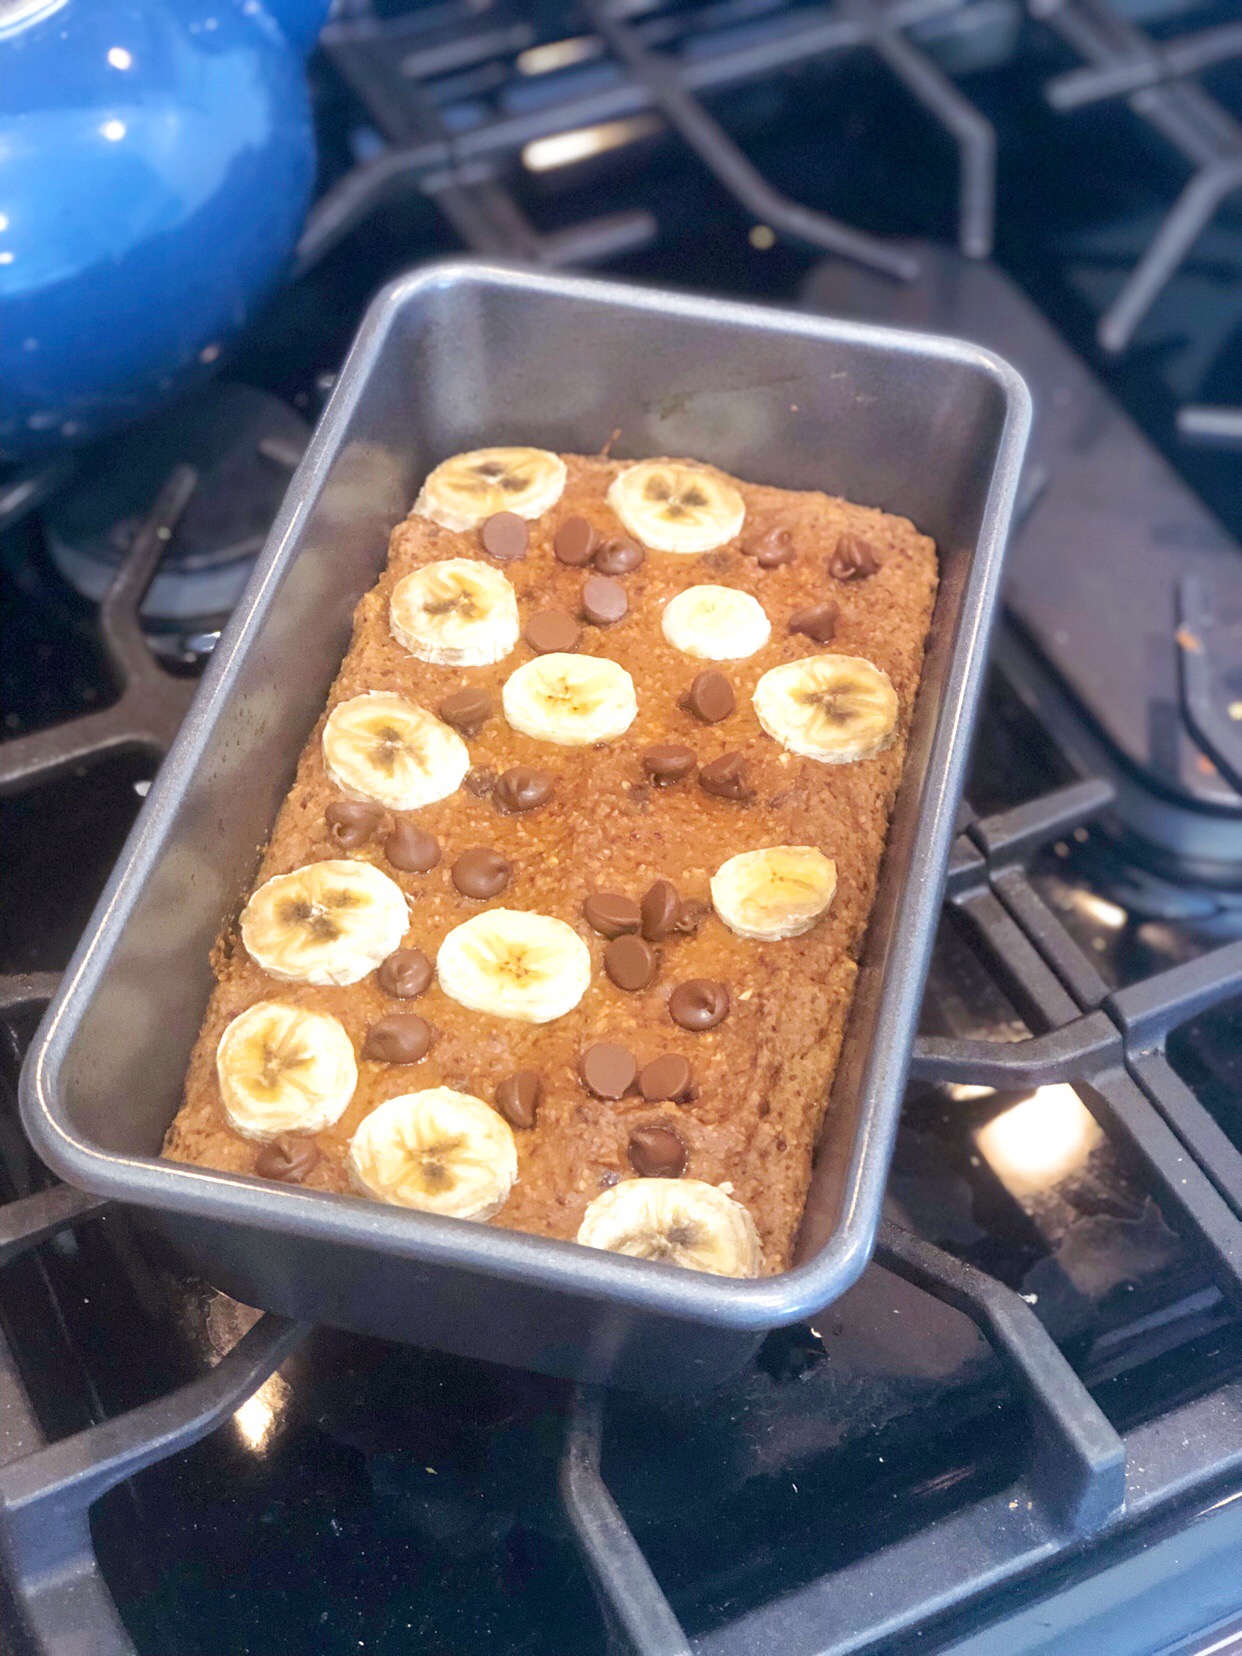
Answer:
[(657, 1153), (817, 621), (551, 631), (618, 557), (467, 710), (522, 788), (603, 600), (710, 697), (479, 781), (690, 916), (772, 550), (630, 963), (481, 873), (398, 1038), (666, 1077), (607, 1070), (725, 778), (412, 850), (853, 560), (517, 1097), (668, 762), (574, 542), (351, 822), (405, 975), (660, 907), (699, 1003), (505, 535), (287, 1158), (612, 915)]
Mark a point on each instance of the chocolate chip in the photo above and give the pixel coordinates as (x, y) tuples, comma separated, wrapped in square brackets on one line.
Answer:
[(659, 910), (772, 550), (522, 788), (612, 915), (405, 975), (412, 850), (479, 781), (607, 1070), (668, 762), (666, 1077), (690, 916), (551, 631), (351, 822), (517, 1097), (853, 560), (505, 535), (699, 1003), (398, 1038), (618, 557), (603, 600), (467, 710), (630, 963), (725, 778), (817, 621), (287, 1158), (481, 873), (575, 542), (657, 1153), (710, 697)]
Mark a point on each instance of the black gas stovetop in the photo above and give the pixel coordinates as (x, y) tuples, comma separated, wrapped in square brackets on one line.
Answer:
[(1022, 1430)]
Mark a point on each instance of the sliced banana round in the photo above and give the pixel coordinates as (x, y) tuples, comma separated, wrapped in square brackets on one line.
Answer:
[(677, 1221), (284, 1070), (331, 922), (572, 700), (833, 708), (380, 747), (716, 623), (439, 1151), (515, 965), (778, 892), (467, 488), (457, 612), (673, 506)]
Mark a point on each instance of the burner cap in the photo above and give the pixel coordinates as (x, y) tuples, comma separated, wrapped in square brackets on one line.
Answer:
[(244, 445)]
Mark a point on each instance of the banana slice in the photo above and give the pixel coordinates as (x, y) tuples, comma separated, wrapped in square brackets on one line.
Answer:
[(456, 613), (716, 623), (439, 1151), (678, 1221), (515, 965), (672, 506), (572, 700), (284, 1070), (833, 708), (778, 892), (331, 922), (381, 747), (464, 490)]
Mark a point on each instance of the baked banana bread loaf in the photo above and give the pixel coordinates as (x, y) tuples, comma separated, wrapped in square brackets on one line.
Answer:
[(557, 927)]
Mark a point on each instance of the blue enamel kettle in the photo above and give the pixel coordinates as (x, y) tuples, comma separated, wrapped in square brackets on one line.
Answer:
[(156, 162)]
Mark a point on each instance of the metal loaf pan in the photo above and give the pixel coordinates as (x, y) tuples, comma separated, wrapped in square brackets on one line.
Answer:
[(454, 357)]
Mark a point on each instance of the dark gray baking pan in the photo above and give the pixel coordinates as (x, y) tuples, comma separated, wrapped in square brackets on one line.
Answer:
[(460, 356)]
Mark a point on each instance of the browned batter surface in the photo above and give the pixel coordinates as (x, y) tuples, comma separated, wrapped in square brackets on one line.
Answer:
[(763, 1075)]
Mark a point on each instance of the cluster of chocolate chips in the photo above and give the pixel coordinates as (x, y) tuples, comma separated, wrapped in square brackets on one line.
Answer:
[(610, 1071), (555, 631), (578, 543), (352, 823)]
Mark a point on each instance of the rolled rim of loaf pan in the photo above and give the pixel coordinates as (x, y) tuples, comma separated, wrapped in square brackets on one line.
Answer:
[(911, 892)]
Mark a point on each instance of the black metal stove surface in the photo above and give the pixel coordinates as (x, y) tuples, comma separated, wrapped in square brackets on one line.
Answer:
[(1022, 1429)]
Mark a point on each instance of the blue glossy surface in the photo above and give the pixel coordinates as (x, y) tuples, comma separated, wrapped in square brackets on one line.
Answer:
[(156, 161)]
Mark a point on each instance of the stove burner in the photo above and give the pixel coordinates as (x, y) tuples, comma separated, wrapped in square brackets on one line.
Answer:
[(242, 443)]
